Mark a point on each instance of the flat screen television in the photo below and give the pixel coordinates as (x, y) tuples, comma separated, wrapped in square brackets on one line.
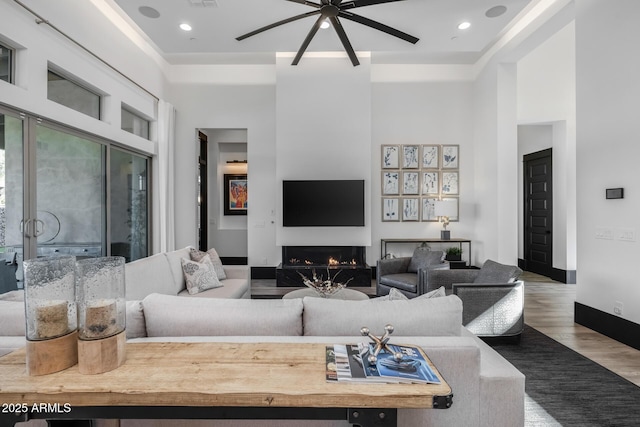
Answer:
[(323, 203)]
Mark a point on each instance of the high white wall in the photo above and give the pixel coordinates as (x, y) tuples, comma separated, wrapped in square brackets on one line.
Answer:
[(323, 131), (607, 152), (547, 104), (422, 112)]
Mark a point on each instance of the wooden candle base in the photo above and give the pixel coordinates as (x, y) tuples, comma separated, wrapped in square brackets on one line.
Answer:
[(49, 356), (98, 356)]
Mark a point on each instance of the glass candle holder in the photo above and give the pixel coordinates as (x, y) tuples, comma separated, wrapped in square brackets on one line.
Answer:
[(49, 295), (100, 297)]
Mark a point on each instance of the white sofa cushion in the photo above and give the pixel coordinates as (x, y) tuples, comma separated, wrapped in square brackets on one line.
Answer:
[(135, 326), (415, 317), (174, 258), (170, 316), (148, 275), (13, 323)]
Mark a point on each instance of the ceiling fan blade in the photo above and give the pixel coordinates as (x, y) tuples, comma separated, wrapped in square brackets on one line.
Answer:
[(345, 40), (277, 24), (308, 3), (378, 26), (361, 3), (307, 40)]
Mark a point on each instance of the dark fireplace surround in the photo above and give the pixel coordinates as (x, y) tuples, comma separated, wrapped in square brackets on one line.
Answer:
[(341, 263)]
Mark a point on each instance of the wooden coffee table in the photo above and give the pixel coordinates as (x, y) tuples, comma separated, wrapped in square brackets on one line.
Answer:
[(209, 381)]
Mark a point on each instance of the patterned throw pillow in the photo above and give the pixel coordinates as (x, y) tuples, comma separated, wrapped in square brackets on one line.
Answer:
[(199, 276), (197, 256)]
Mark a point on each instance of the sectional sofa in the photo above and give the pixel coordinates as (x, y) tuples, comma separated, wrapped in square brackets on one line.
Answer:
[(487, 389)]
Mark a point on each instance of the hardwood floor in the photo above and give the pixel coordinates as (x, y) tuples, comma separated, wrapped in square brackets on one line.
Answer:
[(549, 308)]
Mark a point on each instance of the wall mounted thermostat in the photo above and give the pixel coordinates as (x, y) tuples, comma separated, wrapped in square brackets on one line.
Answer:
[(615, 193)]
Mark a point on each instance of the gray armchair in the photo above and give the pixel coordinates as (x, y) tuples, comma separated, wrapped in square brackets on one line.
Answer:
[(492, 297), (408, 274)]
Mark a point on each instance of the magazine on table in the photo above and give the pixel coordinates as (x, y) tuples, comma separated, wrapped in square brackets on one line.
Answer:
[(350, 363)]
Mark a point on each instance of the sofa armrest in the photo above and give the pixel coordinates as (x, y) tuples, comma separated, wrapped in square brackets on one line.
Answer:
[(393, 266), (492, 309), (236, 271), (432, 279)]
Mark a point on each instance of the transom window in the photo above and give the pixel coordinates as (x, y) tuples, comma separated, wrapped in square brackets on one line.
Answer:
[(6, 63), (71, 94), (134, 123)]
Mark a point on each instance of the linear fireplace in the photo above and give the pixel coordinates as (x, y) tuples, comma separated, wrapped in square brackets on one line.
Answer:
[(344, 263)]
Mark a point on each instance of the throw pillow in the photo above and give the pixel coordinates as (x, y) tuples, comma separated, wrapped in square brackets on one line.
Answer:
[(197, 256), (424, 257), (440, 292), (199, 276), (393, 295), (493, 272)]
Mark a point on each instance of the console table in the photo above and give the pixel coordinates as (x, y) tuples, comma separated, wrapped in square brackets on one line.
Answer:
[(208, 381), (457, 242)]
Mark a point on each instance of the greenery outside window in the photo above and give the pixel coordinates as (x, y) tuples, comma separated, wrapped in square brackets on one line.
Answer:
[(6, 64), (70, 94), (132, 122)]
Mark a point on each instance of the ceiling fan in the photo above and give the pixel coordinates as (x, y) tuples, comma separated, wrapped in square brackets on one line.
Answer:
[(332, 10)]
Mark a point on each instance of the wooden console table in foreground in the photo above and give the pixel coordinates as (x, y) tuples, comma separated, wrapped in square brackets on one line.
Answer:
[(208, 381)]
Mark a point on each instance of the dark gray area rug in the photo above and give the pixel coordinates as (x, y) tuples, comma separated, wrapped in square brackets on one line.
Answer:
[(565, 386)]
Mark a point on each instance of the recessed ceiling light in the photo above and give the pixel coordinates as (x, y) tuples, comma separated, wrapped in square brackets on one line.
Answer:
[(324, 25), (464, 25), (185, 27), (149, 12), (495, 11)]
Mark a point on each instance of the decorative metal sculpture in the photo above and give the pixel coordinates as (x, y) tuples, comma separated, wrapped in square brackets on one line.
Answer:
[(380, 343), (324, 287)]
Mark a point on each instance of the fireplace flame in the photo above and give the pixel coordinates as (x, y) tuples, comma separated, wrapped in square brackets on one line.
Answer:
[(333, 261)]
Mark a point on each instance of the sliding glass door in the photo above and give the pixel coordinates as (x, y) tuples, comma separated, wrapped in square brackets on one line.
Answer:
[(63, 192), (12, 225)]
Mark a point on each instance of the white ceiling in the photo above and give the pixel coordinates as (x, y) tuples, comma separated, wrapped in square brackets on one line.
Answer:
[(217, 23)]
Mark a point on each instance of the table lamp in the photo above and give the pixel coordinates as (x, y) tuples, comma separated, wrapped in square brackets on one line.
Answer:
[(445, 209)]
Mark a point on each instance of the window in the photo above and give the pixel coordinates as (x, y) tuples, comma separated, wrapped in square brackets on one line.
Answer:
[(72, 95), (6, 64), (133, 123)]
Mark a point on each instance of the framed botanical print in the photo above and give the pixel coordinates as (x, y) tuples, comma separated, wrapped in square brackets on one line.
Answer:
[(390, 157), (428, 209), (410, 183), (450, 183), (410, 156), (391, 182), (235, 194), (450, 156), (390, 209), (411, 209), (430, 182), (430, 156)]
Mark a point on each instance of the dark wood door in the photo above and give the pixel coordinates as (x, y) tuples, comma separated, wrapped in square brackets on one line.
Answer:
[(203, 213), (538, 208)]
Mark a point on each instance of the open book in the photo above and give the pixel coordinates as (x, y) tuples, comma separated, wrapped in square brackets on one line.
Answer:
[(350, 362)]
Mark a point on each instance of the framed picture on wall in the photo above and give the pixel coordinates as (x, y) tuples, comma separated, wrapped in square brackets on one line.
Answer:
[(450, 183), (428, 209), (410, 156), (390, 209), (410, 183), (430, 183), (411, 209), (391, 182), (450, 156), (430, 156), (235, 194), (390, 157)]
